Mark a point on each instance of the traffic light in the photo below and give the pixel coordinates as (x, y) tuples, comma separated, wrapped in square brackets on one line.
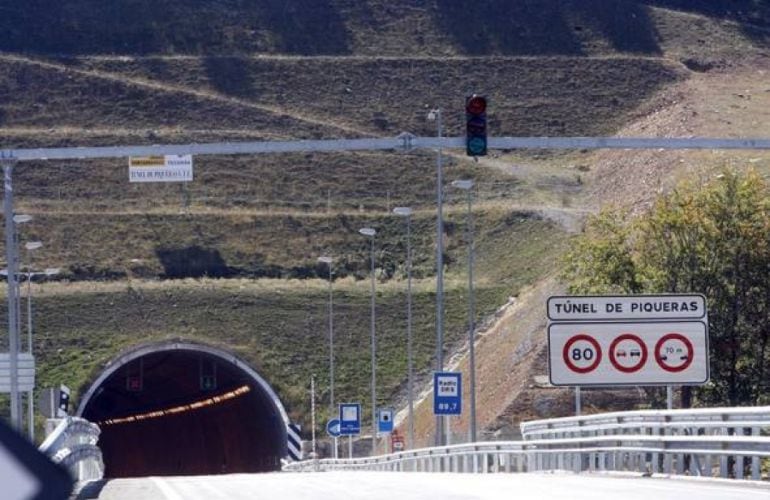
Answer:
[(64, 401), (54, 402), (135, 376), (476, 125), (208, 382), (134, 383), (207, 375)]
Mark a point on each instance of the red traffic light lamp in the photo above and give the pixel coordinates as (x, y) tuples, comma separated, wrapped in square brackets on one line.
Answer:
[(476, 105)]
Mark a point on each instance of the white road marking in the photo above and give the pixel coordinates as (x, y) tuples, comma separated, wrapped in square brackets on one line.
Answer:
[(168, 492), (418, 486)]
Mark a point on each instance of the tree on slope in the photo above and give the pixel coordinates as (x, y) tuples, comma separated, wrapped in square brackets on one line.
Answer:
[(713, 239)]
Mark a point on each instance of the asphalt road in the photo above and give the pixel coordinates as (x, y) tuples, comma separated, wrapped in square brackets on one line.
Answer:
[(413, 486)]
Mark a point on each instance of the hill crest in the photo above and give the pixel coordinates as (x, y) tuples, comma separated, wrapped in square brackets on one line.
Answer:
[(344, 27)]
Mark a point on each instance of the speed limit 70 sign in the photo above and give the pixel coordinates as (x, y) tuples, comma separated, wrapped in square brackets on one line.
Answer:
[(638, 353)]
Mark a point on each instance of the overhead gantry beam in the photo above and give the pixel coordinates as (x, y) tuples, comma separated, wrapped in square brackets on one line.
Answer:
[(402, 142)]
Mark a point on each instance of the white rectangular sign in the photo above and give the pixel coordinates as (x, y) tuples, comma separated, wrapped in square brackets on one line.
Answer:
[(349, 413), (626, 307), (448, 386), (645, 353), (25, 367), (168, 168)]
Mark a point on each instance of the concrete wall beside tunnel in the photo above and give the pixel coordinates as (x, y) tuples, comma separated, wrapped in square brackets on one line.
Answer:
[(183, 408)]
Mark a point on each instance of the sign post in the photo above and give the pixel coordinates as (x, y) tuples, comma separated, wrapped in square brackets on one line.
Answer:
[(160, 168), (447, 393), (333, 428), (350, 419), (350, 423), (628, 340), (25, 372), (396, 442), (385, 421)]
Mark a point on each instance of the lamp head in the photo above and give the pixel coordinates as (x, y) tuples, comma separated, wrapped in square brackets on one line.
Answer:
[(463, 184), (404, 211), (325, 259), (33, 245), (21, 218), (367, 231)]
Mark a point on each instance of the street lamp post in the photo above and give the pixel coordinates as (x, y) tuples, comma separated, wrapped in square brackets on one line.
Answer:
[(31, 246), (435, 114), (406, 212), (10, 255), (20, 220), (370, 232), (29, 275), (328, 261), (51, 271), (467, 185)]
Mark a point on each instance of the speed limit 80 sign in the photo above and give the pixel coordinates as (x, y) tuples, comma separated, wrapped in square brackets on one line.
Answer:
[(638, 353)]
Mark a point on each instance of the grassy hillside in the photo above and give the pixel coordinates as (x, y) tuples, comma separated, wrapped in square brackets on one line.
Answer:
[(340, 27), (193, 98), (280, 325), (386, 96), (160, 245), (280, 332)]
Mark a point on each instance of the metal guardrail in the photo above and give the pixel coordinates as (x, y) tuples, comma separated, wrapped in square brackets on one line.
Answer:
[(646, 421), (73, 445), (738, 422), (724, 442)]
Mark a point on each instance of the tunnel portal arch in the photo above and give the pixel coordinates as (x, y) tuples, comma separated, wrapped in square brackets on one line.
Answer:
[(183, 408)]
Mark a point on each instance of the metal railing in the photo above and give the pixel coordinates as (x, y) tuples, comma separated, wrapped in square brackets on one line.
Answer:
[(646, 421), (691, 425), (724, 442), (73, 445)]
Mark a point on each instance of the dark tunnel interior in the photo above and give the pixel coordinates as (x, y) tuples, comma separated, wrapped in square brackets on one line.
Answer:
[(184, 412)]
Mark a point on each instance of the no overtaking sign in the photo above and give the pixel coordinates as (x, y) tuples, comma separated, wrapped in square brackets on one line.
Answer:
[(628, 340)]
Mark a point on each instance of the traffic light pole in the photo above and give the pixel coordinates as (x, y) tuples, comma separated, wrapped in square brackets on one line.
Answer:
[(439, 437)]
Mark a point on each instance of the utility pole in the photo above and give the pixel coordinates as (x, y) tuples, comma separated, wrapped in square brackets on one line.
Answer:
[(13, 322)]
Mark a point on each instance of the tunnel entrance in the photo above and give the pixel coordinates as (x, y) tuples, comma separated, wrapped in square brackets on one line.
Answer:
[(185, 409)]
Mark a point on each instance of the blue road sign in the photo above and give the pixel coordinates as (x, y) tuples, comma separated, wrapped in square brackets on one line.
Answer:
[(385, 420), (333, 427), (447, 393), (350, 419)]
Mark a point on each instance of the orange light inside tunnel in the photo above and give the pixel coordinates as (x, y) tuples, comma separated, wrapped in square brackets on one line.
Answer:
[(221, 398)]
